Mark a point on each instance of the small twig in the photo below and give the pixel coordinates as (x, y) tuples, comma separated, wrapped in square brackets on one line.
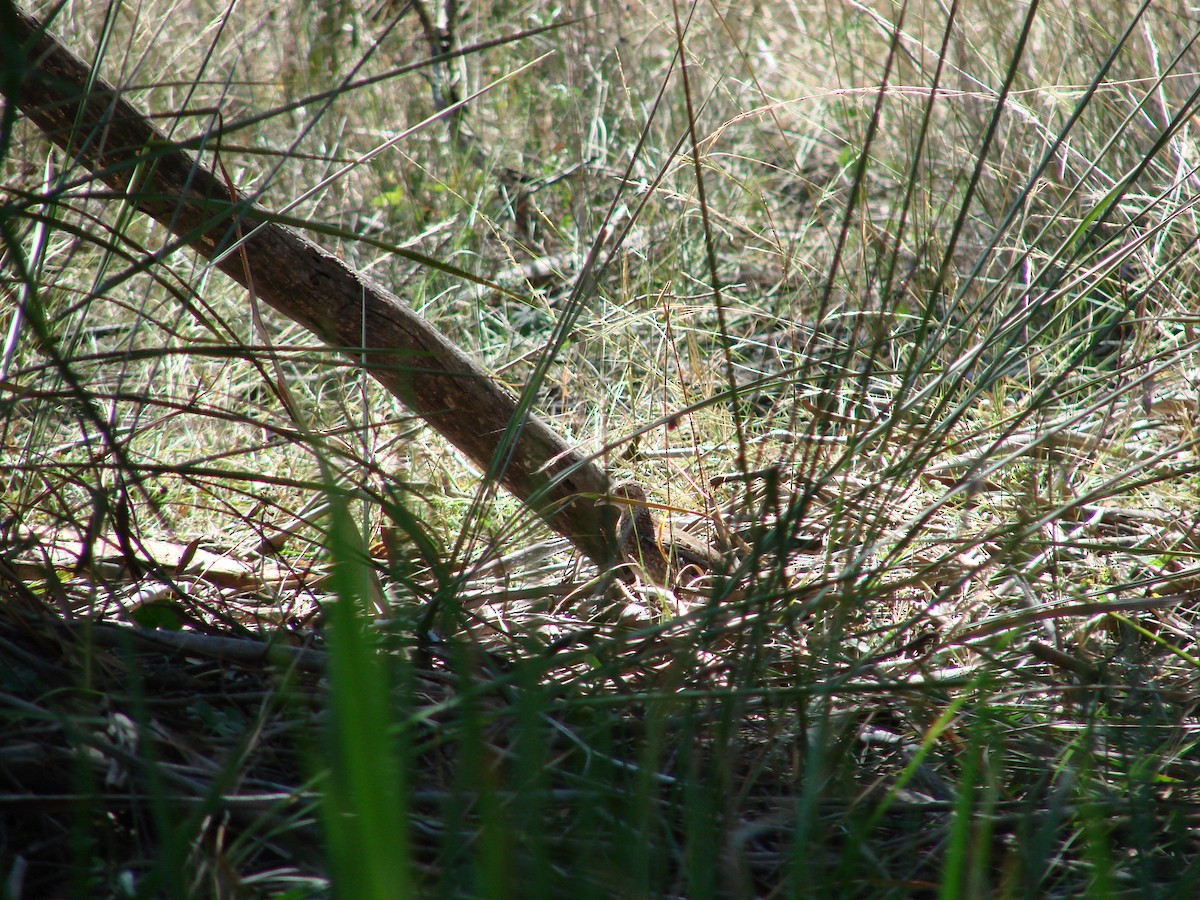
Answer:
[(223, 649)]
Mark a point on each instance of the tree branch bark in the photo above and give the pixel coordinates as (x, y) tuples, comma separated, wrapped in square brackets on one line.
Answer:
[(404, 353)]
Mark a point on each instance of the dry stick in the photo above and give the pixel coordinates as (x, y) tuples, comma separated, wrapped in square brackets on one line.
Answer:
[(405, 354)]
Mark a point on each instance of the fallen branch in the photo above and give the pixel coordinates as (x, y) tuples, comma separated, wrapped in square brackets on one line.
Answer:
[(90, 120)]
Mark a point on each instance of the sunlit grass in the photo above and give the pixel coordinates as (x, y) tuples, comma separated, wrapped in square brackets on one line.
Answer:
[(917, 334)]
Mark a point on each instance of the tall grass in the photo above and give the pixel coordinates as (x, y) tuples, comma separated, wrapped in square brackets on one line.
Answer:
[(901, 296)]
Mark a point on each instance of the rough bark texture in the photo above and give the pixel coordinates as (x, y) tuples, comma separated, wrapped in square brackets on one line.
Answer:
[(410, 358)]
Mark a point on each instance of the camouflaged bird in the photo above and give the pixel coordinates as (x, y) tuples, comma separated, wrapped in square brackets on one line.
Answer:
[(661, 554)]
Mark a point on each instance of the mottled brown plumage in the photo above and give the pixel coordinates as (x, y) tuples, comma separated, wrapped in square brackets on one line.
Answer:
[(660, 556)]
